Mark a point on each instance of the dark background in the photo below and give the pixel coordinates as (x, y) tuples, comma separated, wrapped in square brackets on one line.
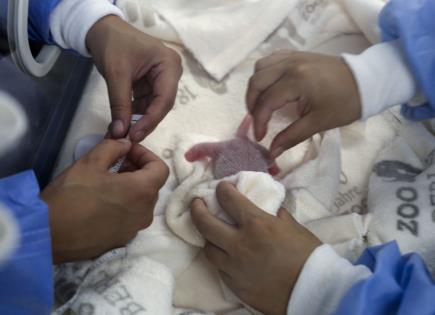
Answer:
[(50, 104)]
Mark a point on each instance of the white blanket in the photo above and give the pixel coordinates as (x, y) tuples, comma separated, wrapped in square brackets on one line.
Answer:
[(326, 177), (402, 194), (222, 33)]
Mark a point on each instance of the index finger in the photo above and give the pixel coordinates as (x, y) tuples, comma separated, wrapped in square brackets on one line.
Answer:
[(213, 229), (165, 78), (299, 131), (151, 169)]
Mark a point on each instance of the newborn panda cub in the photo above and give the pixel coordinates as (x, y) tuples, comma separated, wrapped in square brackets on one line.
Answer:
[(233, 156)]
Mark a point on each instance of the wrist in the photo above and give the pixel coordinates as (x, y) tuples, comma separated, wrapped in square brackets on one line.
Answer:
[(103, 28), (56, 256), (281, 303)]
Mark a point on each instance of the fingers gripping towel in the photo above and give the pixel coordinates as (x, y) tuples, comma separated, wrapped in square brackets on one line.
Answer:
[(260, 188)]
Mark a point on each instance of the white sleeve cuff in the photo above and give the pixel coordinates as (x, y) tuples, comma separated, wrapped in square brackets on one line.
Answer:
[(383, 77), (72, 19), (324, 280)]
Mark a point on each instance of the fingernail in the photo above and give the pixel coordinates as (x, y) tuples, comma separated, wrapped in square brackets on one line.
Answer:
[(139, 135), (118, 128), (124, 141), (259, 135), (198, 202), (277, 152)]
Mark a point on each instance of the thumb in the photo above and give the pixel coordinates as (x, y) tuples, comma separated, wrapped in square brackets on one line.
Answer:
[(120, 94), (107, 152), (285, 216)]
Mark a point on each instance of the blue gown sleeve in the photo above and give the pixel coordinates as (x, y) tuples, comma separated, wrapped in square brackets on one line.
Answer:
[(26, 279), (400, 285), (413, 23), (39, 18)]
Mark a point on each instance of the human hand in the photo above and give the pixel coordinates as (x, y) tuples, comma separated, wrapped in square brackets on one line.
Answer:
[(93, 211), (134, 65), (322, 88), (259, 259)]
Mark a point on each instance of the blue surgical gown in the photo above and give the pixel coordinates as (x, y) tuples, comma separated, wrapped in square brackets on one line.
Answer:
[(412, 22), (401, 285), (39, 18), (26, 280)]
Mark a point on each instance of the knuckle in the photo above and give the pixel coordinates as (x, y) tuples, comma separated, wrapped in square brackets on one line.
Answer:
[(161, 176), (175, 56), (73, 175), (151, 193), (244, 295), (301, 70), (172, 56), (263, 101), (260, 64), (254, 82), (165, 171), (114, 71), (241, 254), (209, 253), (255, 222), (93, 158), (223, 189), (201, 222), (147, 220), (118, 108), (240, 248), (127, 237)]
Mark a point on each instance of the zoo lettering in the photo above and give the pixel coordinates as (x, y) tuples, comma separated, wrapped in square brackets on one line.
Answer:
[(408, 211), (432, 194), (311, 7)]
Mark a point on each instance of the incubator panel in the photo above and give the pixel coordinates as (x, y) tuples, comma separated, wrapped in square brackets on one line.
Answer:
[(49, 103)]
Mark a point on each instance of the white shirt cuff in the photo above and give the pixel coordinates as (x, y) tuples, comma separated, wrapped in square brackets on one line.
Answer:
[(383, 76), (324, 280), (72, 19)]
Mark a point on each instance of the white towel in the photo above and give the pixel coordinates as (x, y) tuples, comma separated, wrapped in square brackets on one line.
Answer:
[(313, 22), (365, 13), (334, 182), (258, 187), (215, 109), (402, 194), (328, 193), (219, 33)]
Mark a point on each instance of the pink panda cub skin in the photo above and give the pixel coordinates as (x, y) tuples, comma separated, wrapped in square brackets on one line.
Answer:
[(233, 156)]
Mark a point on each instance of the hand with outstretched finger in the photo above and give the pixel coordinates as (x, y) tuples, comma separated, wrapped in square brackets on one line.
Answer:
[(322, 88), (92, 210), (141, 74), (261, 257)]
